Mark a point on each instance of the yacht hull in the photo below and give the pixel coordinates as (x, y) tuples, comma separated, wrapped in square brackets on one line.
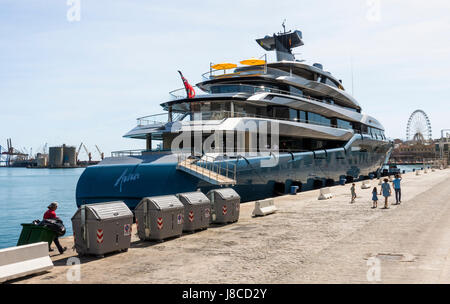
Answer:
[(131, 178)]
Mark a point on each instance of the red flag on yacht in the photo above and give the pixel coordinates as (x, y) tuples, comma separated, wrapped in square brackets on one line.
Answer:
[(189, 89)]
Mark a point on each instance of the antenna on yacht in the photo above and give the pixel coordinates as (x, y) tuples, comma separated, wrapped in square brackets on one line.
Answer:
[(282, 43)]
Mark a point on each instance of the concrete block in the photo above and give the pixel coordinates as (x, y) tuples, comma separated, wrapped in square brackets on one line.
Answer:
[(365, 184), (19, 261), (325, 193), (264, 207)]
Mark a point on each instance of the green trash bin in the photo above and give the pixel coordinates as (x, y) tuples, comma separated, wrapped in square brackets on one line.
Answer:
[(33, 234)]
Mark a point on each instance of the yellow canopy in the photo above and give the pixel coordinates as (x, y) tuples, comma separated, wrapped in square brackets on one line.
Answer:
[(224, 66), (253, 61)]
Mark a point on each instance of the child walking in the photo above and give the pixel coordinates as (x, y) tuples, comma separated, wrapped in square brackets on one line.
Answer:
[(353, 191), (374, 197)]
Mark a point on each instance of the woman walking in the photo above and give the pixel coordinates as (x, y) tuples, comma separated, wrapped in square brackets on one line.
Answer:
[(386, 191), (51, 214), (374, 197)]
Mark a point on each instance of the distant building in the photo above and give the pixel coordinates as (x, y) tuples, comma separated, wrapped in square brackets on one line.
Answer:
[(412, 152), (442, 148)]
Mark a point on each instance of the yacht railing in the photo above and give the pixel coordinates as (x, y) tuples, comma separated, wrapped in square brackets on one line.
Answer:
[(251, 89), (136, 152), (220, 115), (160, 119), (226, 153), (181, 92)]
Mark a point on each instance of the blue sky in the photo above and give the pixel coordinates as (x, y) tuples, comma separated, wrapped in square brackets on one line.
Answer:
[(87, 81)]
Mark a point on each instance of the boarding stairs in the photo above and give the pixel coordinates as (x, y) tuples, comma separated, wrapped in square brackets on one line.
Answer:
[(208, 170)]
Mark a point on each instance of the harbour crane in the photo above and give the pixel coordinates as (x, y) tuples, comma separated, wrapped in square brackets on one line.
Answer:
[(12, 154), (102, 155), (78, 152), (88, 153)]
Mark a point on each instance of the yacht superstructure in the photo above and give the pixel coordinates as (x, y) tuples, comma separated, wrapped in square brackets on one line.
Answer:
[(259, 127)]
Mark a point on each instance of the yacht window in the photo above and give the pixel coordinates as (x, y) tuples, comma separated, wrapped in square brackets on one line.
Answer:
[(195, 107), (261, 111), (209, 110), (328, 100), (356, 126), (364, 129), (239, 109), (317, 118), (303, 116), (235, 88), (252, 111), (231, 88), (278, 112), (295, 91), (330, 83), (293, 114), (343, 124), (293, 144)]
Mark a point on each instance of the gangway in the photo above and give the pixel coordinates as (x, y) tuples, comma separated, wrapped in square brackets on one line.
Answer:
[(208, 170)]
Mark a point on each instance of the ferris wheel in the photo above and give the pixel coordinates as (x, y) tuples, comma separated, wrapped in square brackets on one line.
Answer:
[(418, 127)]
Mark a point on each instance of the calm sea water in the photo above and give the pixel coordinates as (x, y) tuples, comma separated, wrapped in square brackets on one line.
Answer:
[(26, 193), (407, 168)]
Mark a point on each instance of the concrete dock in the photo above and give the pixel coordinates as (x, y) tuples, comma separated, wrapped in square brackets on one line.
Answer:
[(306, 241)]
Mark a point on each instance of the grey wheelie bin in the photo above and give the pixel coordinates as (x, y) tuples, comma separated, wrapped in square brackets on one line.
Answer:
[(102, 228), (197, 210), (225, 205), (159, 217)]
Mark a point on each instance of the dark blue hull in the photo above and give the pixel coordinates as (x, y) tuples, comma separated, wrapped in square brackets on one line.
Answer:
[(131, 178)]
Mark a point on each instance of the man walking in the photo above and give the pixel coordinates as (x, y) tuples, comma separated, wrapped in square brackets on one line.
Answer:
[(398, 192)]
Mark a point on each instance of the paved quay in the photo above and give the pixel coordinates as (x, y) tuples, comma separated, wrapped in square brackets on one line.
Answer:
[(306, 241)]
